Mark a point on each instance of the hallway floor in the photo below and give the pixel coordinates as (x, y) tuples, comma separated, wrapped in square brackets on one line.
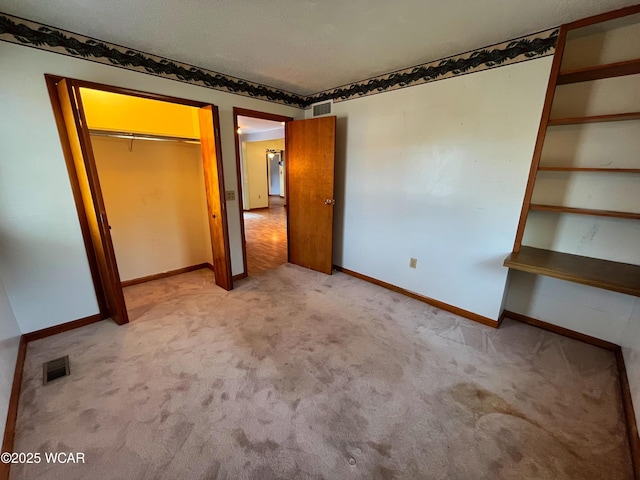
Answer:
[(266, 234), (299, 375)]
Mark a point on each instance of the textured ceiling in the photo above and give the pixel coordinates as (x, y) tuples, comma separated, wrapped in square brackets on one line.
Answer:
[(306, 46)]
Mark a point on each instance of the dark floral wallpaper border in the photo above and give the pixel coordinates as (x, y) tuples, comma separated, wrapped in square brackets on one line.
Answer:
[(526, 48), (17, 30), (25, 32)]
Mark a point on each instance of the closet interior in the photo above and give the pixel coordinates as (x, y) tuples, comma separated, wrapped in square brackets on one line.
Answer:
[(149, 163)]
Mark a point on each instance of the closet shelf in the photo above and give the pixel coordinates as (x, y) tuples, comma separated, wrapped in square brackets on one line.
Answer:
[(584, 211), (615, 276), (589, 169), (597, 72), (616, 117)]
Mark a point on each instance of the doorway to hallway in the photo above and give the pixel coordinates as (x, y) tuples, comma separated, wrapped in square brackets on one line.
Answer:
[(308, 169), (261, 164)]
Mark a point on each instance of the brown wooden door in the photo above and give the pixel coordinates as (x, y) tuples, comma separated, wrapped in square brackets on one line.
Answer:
[(310, 148), (216, 204), (87, 174)]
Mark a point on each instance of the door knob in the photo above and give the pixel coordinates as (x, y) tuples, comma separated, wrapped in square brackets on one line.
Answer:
[(330, 201)]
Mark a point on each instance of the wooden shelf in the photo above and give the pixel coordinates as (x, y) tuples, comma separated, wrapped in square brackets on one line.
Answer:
[(616, 117), (597, 72), (605, 274), (615, 276), (584, 211), (589, 169)]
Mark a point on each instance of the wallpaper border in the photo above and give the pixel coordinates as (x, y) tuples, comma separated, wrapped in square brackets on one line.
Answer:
[(51, 39), (32, 34), (535, 45)]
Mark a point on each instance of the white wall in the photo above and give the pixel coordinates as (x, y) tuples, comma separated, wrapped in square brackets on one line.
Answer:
[(9, 342), (42, 256), (253, 137), (592, 311), (256, 175), (156, 204), (438, 172), (245, 178), (631, 352)]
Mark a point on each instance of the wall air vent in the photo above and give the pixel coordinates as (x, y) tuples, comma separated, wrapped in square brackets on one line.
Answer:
[(54, 369), (321, 109)]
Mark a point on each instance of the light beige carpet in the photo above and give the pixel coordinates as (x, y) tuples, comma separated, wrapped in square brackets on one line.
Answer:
[(298, 375)]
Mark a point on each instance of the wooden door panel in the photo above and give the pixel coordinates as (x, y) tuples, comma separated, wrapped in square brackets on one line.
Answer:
[(216, 203), (84, 163), (310, 148)]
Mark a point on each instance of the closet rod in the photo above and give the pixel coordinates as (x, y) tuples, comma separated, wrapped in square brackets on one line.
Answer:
[(140, 136)]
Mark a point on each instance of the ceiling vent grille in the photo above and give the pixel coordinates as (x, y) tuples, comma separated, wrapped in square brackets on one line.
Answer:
[(321, 109), (54, 369)]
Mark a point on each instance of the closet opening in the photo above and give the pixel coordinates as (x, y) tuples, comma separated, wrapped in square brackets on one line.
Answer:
[(146, 173), (261, 162)]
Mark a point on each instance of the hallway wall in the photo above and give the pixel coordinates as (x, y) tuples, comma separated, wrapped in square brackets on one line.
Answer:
[(255, 163)]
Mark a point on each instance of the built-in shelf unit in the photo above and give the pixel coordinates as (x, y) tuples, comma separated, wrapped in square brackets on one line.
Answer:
[(580, 218)]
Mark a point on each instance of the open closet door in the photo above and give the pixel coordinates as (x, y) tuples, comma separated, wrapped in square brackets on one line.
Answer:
[(214, 184), (87, 173), (310, 148)]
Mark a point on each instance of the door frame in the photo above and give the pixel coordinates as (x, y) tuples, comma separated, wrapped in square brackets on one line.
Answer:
[(243, 112), (51, 82)]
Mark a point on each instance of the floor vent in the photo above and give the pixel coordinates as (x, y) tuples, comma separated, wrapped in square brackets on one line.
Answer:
[(54, 369), (321, 109)]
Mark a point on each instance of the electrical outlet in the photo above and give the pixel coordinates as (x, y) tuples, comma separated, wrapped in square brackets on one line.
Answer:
[(413, 263), (230, 195)]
